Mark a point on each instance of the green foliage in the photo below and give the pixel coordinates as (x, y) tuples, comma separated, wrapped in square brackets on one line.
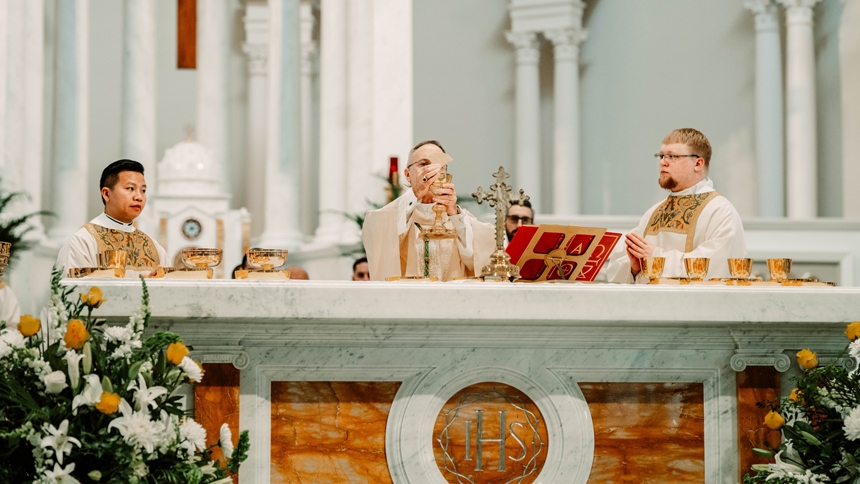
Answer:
[(13, 229)]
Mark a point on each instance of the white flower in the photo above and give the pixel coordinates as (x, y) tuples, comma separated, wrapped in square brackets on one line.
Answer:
[(194, 434), (74, 359), (226, 480), (125, 336), (226, 441), (62, 476), (854, 349), (137, 428), (851, 424), (60, 441), (191, 370), (145, 397), (91, 395), (117, 333), (208, 469), (55, 382), (10, 338)]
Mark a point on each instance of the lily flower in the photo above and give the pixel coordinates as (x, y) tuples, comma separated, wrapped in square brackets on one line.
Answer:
[(91, 395), (60, 441), (74, 358), (61, 475), (145, 397)]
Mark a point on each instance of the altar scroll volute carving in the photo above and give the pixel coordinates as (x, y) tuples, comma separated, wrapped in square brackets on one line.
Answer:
[(222, 354)]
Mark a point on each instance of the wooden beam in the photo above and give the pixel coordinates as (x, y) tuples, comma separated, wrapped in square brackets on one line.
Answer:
[(186, 34)]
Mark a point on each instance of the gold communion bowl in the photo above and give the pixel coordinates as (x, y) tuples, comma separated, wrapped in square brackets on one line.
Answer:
[(267, 259), (201, 258), (740, 268), (113, 259), (652, 267), (696, 267), (779, 269)]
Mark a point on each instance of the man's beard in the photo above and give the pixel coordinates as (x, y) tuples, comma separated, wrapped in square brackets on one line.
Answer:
[(668, 183), (511, 234)]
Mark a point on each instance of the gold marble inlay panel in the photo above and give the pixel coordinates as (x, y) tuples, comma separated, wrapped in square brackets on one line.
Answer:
[(332, 432)]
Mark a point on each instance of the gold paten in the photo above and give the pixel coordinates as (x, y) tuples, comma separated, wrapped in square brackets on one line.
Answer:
[(499, 197), (652, 267), (779, 269), (97, 273), (202, 258), (696, 267), (438, 231)]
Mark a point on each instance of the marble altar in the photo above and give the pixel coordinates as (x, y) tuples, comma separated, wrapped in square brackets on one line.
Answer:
[(670, 367)]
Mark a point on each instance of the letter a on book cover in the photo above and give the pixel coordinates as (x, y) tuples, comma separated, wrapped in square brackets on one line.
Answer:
[(561, 252)]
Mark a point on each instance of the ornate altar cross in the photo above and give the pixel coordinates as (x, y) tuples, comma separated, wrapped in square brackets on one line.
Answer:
[(500, 198)]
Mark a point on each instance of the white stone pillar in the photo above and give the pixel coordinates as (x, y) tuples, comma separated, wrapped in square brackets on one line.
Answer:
[(71, 119), (256, 47), (802, 148), (333, 119), (34, 99), (527, 173), (309, 184), (4, 71), (770, 137), (567, 170), (283, 154), (213, 50), (13, 166), (138, 93)]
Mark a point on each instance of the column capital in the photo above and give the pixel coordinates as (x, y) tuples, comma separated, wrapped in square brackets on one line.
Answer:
[(258, 58), (799, 10), (527, 45), (566, 42), (766, 14)]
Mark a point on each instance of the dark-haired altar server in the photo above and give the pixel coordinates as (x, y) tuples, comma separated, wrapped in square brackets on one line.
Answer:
[(123, 191)]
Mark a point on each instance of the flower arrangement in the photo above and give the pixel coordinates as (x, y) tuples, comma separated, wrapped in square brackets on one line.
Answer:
[(83, 402), (820, 424)]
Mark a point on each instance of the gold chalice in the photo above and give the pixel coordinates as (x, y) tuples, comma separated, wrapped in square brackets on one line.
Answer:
[(652, 267), (267, 259), (113, 259), (4, 256), (438, 230), (779, 269), (5, 248), (740, 268), (696, 267), (201, 258)]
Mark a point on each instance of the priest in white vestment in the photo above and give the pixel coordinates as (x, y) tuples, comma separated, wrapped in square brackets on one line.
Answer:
[(694, 221), (123, 190), (10, 311), (390, 234)]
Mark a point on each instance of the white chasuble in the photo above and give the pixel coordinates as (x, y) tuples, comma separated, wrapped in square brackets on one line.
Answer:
[(10, 311), (103, 233), (696, 222), (390, 237)]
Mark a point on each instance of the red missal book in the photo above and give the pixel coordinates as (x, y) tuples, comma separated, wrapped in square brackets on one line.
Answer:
[(549, 252)]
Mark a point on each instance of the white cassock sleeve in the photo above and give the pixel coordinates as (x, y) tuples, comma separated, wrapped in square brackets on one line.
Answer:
[(10, 311), (81, 251)]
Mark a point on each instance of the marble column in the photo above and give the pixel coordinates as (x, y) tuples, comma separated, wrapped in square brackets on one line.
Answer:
[(770, 137), (283, 148), (256, 47), (309, 185), (34, 118), (4, 71), (567, 170), (801, 123), (528, 173), (12, 155), (71, 119), (138, 93), (333, 119), (213, 49)]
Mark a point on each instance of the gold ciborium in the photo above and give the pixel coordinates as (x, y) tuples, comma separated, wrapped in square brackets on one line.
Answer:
[(201, 258), (438, 230), (779, 269), (113, 259), (267, 259), (5, 250), (740, 268), (696, 267), (652, 267)]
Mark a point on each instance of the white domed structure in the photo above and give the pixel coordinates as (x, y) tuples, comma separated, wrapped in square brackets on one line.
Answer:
[(189, 169)]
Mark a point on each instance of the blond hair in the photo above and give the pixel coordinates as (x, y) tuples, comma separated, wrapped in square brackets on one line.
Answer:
[(692, 138)]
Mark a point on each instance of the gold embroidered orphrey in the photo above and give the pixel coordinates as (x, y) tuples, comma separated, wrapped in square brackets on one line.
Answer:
[(679, 215), (141, 249)]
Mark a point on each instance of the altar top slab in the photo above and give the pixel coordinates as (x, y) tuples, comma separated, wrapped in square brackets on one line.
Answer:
[(482, 303)]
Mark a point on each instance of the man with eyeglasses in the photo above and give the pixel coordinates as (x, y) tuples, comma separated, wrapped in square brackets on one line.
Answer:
[(390, 234), (693, 221), (517, 216)]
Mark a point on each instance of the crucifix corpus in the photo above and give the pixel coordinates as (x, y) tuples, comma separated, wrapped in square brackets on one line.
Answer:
[(499, 197)]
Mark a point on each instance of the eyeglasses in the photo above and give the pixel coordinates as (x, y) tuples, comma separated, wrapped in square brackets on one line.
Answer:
[(661, 156), (516, 219)]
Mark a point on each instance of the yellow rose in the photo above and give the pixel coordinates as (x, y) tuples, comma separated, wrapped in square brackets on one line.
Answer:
[(76, 335), (853, 330), (774, 420), (93, 298), (108, 404), (795, 395), (28, 325), (176, 351), (807, 359)]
